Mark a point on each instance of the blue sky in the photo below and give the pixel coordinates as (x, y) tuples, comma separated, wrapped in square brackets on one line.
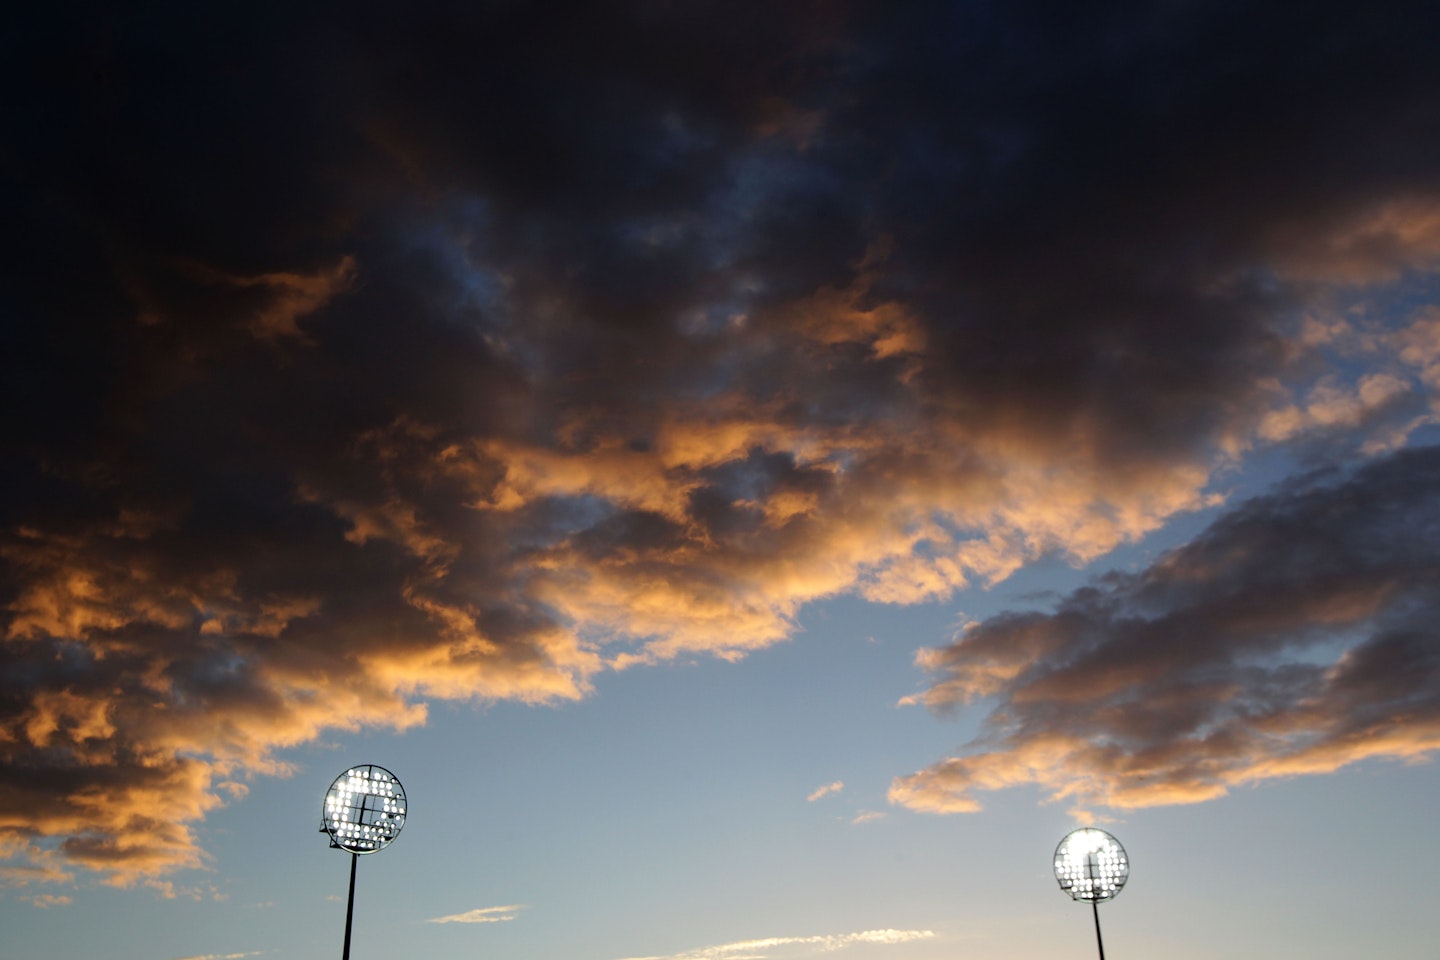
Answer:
[(760, 475), (619, 839)]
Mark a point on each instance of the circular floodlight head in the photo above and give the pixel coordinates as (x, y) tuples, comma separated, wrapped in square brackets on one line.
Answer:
[(1091, 865), (364, 809)]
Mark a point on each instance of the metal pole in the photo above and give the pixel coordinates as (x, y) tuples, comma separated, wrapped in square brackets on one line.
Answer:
[(1094, 906), (350, 908)]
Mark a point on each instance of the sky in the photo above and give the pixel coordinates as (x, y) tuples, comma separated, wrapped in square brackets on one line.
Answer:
[(758, 473)]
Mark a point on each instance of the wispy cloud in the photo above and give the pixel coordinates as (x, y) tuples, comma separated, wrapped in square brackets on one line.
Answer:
[(224, 956), (795, 947), (826, 790), (46, 900), (868, 816), (481, 915)]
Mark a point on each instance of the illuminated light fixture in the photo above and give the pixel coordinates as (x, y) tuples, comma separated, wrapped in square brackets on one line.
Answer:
[(364, 812), (1090, 865)]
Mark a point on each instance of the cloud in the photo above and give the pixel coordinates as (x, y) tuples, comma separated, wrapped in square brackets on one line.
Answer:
[(481, 915), (826, 790), (27, 862), (337, 404), (867, 816), (47, 900), (224, 956), (1292, 637), (796, 946), (1374, 244)]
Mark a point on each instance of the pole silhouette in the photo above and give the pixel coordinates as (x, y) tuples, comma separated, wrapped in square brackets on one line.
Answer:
[(350, 908)]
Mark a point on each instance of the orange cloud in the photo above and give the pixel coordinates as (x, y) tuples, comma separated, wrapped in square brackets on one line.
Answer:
[(287, 296), (47, 900), (1372, 244), (154, 684), (825, 791), (1279, 643), (833, 316)]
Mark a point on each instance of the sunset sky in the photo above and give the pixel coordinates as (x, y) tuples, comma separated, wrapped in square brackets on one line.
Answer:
[(759, 473)]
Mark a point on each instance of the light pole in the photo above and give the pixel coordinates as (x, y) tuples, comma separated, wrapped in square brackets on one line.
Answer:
[(1091, 865), (364, 811)]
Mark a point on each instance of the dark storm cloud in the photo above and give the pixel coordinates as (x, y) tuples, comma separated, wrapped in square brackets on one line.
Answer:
[(1295, 636), (356, 357)]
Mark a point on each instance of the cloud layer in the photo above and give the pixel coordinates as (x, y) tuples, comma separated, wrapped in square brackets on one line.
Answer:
[(358, 361), (1295, 636)]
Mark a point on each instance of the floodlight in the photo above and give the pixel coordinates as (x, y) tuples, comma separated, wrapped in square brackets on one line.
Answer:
[(364, 811), (1091, 866)]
